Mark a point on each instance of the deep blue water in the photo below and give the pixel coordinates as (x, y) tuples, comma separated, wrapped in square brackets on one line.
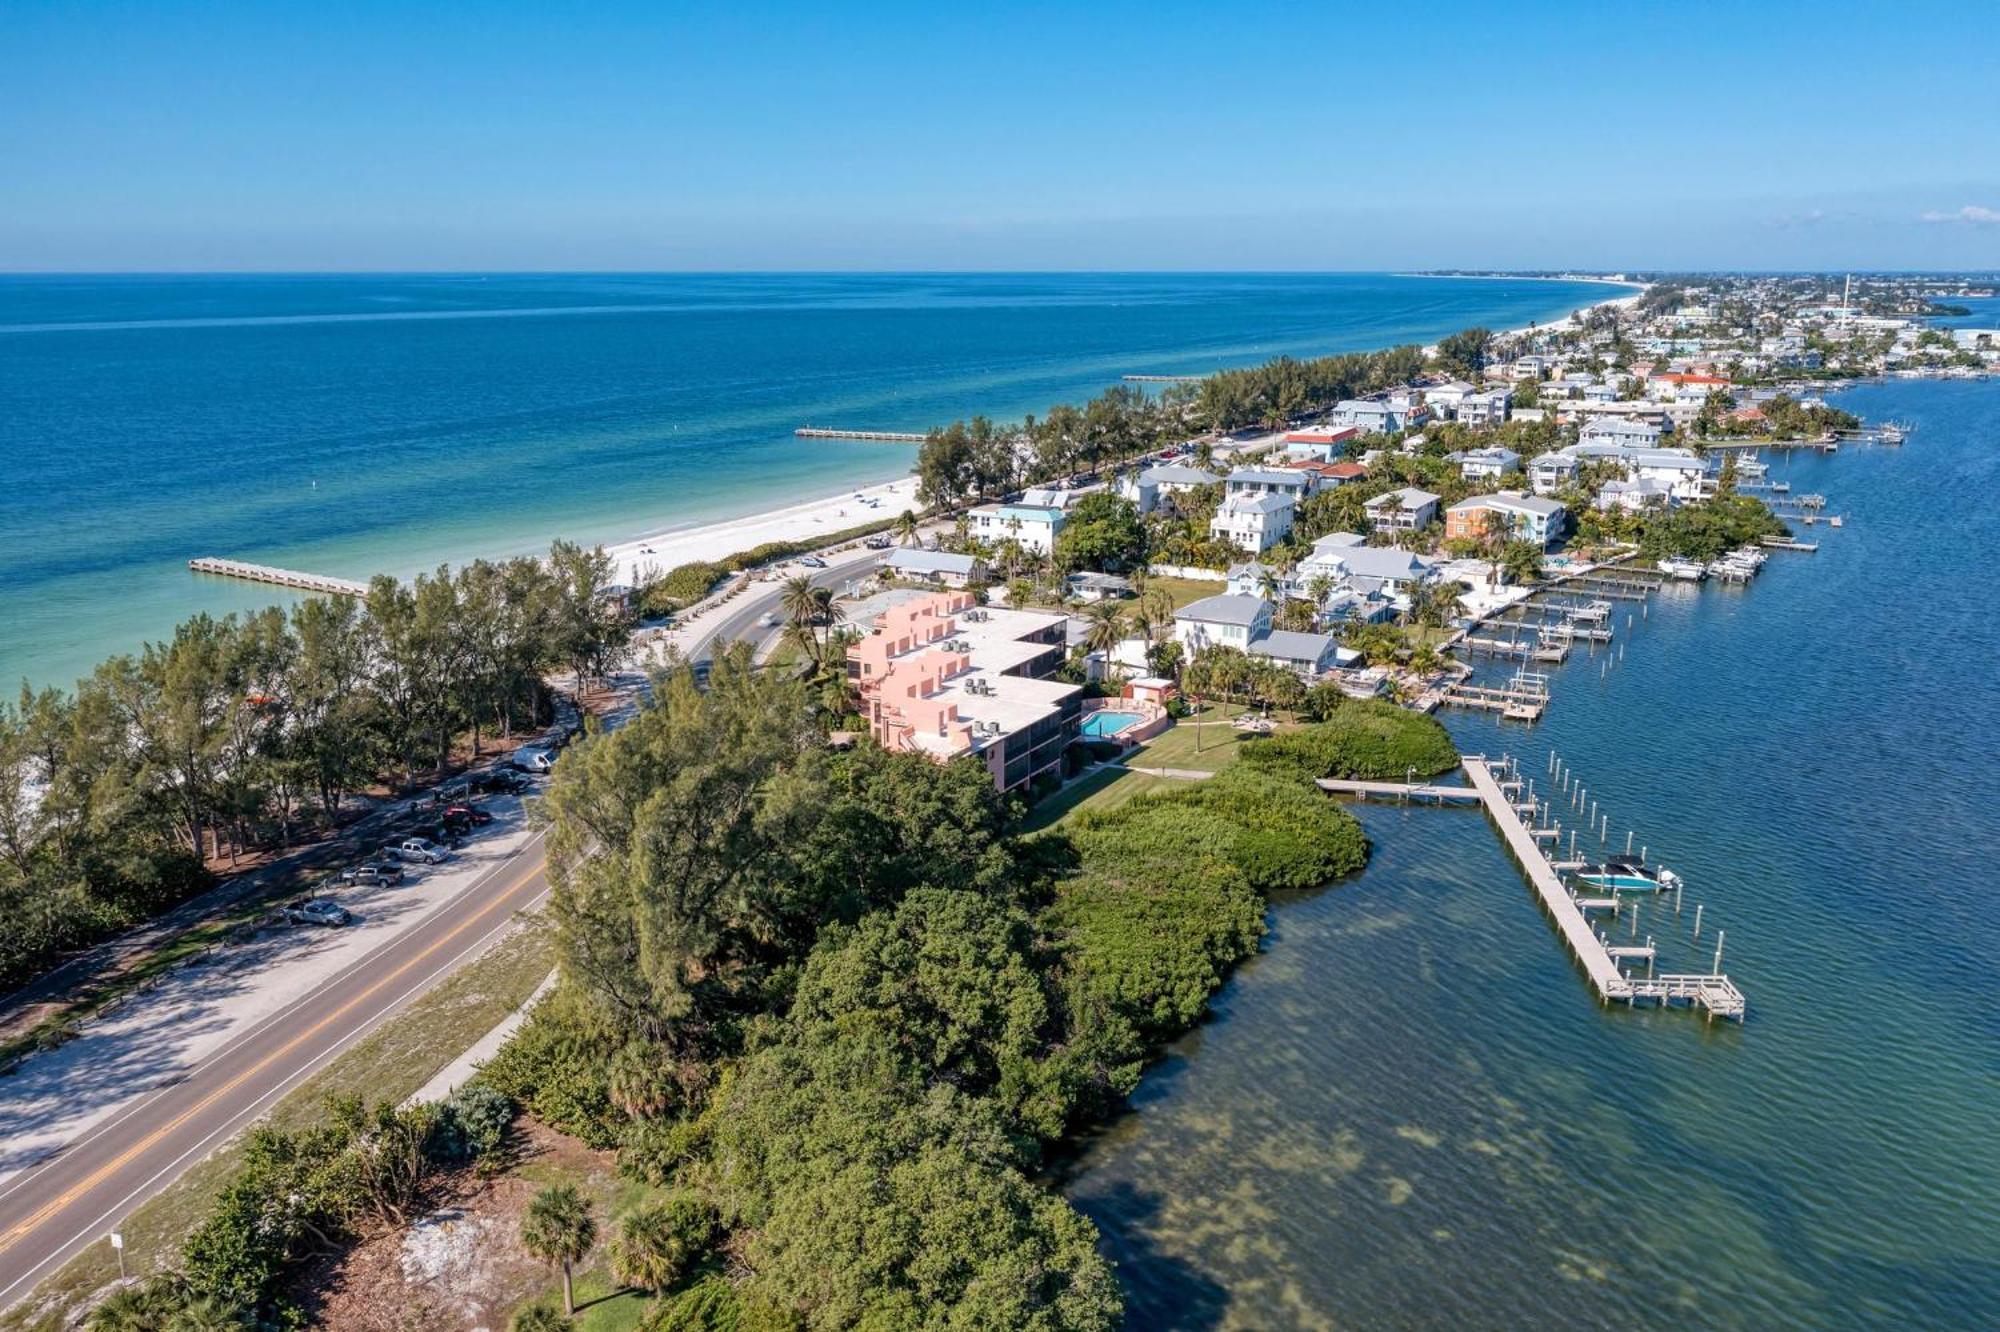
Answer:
[(356, 425), (1409, 1112)]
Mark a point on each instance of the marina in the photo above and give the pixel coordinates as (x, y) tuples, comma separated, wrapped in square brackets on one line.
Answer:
[(1525, 821), (1711, 991)]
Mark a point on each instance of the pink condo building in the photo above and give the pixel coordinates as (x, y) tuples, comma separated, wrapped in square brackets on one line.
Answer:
[(944, 676)]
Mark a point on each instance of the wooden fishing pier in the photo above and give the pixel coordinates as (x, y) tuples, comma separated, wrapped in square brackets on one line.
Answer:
[(1520, 815), (1714, 992), (264, 573), (890, 436)]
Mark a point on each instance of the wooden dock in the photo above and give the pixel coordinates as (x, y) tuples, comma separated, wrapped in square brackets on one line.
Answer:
[(1400, 791), (891, 436), (1520, 648), (264, 573), (1163, 379), (1713, 991), (1513, 704)]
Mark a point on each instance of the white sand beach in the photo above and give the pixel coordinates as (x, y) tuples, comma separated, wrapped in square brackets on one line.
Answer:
[(712, 541), (800, 522)]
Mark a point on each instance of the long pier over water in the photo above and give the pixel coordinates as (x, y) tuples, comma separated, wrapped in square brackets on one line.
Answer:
[(1495, 784), (264, 573)]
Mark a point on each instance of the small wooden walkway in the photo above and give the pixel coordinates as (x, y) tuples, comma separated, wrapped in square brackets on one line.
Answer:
[(1400, 791), (264, 573)]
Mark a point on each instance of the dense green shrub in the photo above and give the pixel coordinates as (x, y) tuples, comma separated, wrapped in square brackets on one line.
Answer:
[(954, 979), (472, 1124), (1155, 946), (1290, 835), (1363, 739), (299, 1192), (680, 586), (556, 1067), (708, 1305)]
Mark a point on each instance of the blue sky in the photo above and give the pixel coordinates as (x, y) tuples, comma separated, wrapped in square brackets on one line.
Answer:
[(167, 135)]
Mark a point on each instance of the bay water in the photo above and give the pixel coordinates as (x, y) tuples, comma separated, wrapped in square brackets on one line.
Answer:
[(1409, 1111)]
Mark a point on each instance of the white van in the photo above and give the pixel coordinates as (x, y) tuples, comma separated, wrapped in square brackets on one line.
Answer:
[(533, 758)]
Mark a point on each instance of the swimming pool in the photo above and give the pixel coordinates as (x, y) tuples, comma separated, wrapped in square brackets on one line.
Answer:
[(1101, 725)]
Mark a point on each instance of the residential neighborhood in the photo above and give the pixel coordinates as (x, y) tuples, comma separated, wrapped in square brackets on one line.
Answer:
[(1355, 544)]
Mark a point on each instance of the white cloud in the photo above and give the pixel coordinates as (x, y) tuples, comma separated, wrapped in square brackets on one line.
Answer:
[(1971, 215)]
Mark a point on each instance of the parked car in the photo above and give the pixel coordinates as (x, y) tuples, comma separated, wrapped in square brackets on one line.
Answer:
[(471, 814), (500, 780), (318, 911), (447, 833), (877, 543), (533, 758), (384, 870), (421, 851), (456, 791)]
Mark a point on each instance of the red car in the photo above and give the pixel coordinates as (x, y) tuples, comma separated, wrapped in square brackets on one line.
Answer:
[(467, 814)]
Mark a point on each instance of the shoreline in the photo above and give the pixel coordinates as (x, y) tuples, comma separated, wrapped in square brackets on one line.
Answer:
[(663, 548), (667, 547)]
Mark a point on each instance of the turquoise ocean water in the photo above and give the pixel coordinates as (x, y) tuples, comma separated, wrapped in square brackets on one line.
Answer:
[(355, 425), (1409, 1113)]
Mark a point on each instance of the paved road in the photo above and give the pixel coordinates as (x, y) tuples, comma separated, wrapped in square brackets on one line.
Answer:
[(55, 1210), (739, 620)]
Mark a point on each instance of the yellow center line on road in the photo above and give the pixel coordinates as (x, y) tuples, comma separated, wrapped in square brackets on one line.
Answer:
[(146, 1143)]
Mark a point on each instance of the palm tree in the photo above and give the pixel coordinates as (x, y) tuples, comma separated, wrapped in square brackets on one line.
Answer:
[(538, 1318), (1522, 561), (206, 1314), (558, 1228), (647, 1254), (798, 600), (802, 637), (1447, 600), (144, 1308), (906, 528), (1104, 627), (655, 1244)]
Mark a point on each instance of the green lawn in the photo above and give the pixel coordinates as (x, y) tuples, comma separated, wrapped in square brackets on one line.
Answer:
[(398, 1058), (1106, 788), (1212, 745), (1184, 590)]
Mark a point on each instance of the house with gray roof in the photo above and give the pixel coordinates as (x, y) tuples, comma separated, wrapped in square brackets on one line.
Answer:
[(933, 566), (1244, 623), (1405, 510), (1150, 487)]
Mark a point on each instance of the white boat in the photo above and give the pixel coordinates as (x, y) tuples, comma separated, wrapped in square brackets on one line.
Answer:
[(1692, 571), (1627, 872)]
